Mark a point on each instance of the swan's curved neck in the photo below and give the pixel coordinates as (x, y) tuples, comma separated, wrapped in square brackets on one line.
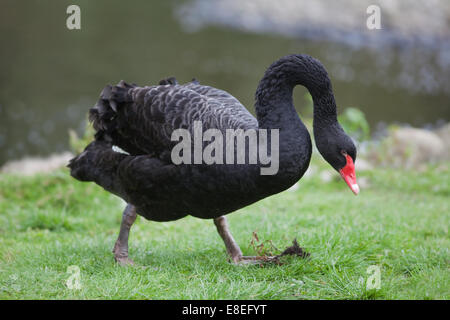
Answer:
[(275, 109), (274, 105)]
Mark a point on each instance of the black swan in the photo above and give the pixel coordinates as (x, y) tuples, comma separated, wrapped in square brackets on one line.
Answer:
[(141, 120)]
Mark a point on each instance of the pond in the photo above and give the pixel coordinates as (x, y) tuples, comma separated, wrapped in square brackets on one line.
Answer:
[(50, 76)]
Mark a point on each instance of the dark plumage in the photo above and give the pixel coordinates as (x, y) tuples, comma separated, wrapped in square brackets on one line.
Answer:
[(140, 120)]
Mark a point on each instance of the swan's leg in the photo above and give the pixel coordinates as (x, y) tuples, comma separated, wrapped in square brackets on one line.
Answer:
[(233, 249), (224, 231), (121, 247)]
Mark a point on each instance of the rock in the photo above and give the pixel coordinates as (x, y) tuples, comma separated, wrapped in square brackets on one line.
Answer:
[(444, 134), (362, 165), (291, 17), (412, 148), (32, 165)]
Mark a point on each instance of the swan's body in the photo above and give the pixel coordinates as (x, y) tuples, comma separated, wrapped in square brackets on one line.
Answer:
[(140, 120)]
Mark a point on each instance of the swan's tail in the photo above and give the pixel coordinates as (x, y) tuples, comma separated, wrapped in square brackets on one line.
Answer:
[(97, 161), (103, 114)]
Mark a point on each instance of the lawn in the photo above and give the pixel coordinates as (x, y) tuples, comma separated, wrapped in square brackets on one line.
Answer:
[(399, 224)]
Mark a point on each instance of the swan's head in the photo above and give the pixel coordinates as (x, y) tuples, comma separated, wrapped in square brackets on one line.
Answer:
[(339, 151)]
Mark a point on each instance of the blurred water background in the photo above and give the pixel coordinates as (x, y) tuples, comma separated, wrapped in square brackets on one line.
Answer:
[(50, 76)]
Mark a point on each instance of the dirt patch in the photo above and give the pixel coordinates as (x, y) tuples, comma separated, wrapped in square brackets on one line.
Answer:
[(294, 250), (266, 250)]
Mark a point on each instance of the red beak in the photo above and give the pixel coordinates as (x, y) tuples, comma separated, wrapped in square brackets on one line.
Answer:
[(348, 174)]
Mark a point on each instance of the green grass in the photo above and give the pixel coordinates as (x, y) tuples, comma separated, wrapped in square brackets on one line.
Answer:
[(399, 223)]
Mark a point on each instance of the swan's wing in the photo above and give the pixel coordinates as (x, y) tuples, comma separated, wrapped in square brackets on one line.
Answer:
[(141, 120), (226, 99), (234, 114)]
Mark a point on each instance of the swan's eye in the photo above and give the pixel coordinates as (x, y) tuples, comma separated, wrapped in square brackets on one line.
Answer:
[(343, 152)]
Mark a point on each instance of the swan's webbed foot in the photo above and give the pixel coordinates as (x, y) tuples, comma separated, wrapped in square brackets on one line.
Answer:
[(123, 261), (121, 246), (121, 255), (245, 260)]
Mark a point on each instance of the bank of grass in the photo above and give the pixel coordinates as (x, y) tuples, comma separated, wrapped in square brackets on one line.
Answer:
[(399, 223)]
